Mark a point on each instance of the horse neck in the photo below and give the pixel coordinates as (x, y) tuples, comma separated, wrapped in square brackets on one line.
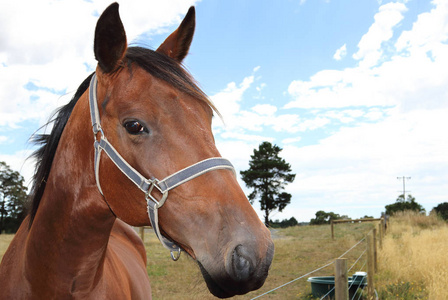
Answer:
[(68, 238)]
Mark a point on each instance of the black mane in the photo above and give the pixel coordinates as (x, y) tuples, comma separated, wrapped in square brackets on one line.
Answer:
[(158, 65)]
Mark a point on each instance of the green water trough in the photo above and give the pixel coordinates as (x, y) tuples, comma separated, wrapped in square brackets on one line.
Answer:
[(321, 286)]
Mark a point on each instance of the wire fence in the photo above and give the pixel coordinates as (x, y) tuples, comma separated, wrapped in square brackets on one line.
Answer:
[(283, 285), (362, 258)]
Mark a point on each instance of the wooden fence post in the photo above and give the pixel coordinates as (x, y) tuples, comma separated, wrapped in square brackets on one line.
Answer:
[(370, 268), (332, 229), (375, 254), (340, 279), (380, 235), (142, 233)]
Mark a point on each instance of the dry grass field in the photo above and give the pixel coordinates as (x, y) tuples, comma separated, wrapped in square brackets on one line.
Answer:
[(298, 250), (412, 263), (5, 239)]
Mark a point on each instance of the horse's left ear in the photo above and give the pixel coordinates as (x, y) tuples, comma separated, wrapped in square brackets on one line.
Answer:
[(178, 43), (110, 39)]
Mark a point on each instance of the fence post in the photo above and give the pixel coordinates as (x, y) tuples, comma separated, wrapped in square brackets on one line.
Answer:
[(375, 254), (380, 235), (340, 279), (370, 268), (332, 229), (142, 234)]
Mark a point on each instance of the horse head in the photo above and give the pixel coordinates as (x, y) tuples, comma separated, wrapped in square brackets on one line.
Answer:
[(159, 121)]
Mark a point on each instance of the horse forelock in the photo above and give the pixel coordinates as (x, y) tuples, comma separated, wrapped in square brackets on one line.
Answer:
[(168, 70)]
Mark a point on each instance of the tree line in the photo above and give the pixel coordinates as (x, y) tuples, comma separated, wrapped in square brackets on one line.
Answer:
[(400, 205), (268, 175)]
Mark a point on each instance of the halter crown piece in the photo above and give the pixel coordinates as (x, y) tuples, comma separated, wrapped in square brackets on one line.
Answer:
[(145, 184)]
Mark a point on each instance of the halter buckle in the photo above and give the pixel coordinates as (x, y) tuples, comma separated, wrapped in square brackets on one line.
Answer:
[(97, 128), (148, 195)]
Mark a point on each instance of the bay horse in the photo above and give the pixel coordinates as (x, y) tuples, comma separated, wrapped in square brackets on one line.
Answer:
[(139, 117)]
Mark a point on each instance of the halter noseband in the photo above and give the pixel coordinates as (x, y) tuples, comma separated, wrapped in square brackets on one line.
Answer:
[(143, 183)]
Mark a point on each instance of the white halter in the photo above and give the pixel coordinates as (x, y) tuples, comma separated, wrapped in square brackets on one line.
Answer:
[(145, 184)]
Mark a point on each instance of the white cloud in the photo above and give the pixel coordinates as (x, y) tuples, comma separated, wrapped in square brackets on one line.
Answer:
[(260, 87), (386, 19), (50, 43), (345, 116), (412, 77), (245, 137), (374, 114), (65, 28), (285, 123), (19, 104), (238, 152), (340, 53), (313, 124), (291, 140), (360, 164), (227, 101), (265, 109), (434, 21)]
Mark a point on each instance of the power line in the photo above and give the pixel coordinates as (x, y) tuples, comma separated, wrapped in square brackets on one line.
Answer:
[(404, 178)]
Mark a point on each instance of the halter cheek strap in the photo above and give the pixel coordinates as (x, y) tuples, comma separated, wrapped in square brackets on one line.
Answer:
[(144, 184)]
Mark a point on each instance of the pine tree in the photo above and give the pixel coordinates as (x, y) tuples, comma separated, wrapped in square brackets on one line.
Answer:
[(267, 176)]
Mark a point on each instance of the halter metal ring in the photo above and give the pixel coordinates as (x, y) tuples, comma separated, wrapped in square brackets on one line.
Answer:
[(158, 203), (175, 254)]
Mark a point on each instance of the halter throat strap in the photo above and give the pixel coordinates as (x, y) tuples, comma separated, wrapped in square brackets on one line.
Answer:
[(151, 185)]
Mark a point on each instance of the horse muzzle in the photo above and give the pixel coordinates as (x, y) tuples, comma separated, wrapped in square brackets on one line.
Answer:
[(243, 270)]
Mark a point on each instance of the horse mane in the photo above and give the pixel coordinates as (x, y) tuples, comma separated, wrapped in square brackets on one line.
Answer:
[(157, 64)]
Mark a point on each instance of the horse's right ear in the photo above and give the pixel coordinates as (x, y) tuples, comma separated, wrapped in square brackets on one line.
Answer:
[(178, 43), (110, 40)]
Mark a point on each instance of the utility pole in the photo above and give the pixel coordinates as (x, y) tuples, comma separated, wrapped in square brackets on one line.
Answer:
[(404, 185)]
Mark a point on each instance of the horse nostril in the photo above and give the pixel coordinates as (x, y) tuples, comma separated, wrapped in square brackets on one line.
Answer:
[(242, 266)]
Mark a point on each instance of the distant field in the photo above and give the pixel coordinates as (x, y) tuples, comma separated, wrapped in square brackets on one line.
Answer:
[(298, 250), (5, 239)]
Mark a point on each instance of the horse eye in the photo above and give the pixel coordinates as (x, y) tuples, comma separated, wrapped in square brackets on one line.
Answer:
[(134, 127)]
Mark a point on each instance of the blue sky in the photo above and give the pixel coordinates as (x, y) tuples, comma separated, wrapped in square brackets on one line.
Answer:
[(355, 92)]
